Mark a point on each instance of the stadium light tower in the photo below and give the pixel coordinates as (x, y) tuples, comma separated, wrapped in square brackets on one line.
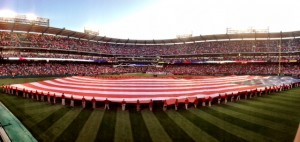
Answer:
[(91, 30), (31, 17), (7, 14)]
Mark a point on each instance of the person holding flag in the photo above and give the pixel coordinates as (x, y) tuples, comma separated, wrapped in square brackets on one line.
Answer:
[(196, 102), (94, 103), (176, 104), (138, 107), (225, 98), (106, 104), (48, 97), (63, 101), (219, 98), (83, 102), (165, 105), (54, 98), (203, 101), (72, 101), (123, 104), (186, 103), (24, 93), (150, 105), (209, 101), (37, 95), (232, 97)]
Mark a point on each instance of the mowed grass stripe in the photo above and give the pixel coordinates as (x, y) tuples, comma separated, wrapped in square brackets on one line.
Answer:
[(264, 114), (156, 131), (138, 126), (23, 117), (38, 117), (28, 103), (44, 108), (251, 123), (279, 102), (285, 97), (59, 126), (75, 127), (123, 132), (271, 107), (289, 94), (19, 102), (253, 119), (230, 128), (193, 131), (39, 127), (24, 80), (292, 94), (106, 132), (173, 130), (89, 131), (210, 128)]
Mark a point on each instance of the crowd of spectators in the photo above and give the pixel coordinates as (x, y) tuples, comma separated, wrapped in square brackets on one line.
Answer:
[(38, 68), (264, 58), (57, 42)]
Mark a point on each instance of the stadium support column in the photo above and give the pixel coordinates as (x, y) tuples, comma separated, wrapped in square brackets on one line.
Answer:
[(63, 101), (279, 54)]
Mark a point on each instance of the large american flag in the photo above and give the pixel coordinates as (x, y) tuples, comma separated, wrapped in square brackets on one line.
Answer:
[(144, 89)]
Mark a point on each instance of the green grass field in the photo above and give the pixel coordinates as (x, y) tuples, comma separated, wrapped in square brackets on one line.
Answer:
[(269, 118)]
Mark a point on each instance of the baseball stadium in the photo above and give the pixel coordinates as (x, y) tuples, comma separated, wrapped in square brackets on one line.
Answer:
[(60, 84)]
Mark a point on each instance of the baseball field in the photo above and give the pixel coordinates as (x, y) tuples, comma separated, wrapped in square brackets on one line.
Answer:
[(273, 117)]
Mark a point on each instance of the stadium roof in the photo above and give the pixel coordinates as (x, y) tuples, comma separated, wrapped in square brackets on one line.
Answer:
[(69, 33)]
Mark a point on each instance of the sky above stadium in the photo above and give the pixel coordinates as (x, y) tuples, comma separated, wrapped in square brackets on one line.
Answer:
[(161, 19)]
